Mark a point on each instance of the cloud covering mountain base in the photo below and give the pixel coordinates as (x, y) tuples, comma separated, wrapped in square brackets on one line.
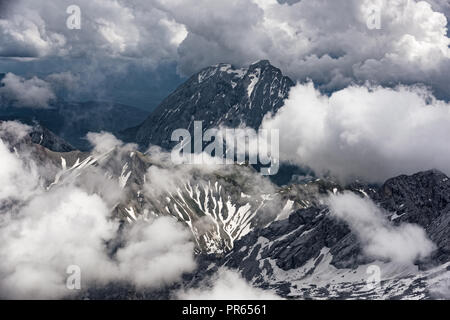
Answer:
[(44, 230), (364, 132)]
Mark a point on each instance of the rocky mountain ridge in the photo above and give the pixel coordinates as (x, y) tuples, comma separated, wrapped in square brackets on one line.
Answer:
[(220, 95)]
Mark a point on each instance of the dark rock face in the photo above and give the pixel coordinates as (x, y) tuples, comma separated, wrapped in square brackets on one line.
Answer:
[(217, 95), (46, 138), (424, 199), (293, 243), (296, 240)]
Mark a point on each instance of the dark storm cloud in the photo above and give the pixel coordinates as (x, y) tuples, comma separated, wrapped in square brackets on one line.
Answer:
[(326, 41)]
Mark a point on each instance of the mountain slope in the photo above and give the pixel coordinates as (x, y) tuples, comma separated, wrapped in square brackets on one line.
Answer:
[(218, 206), (217, 95), (311, 254), (279, 238)]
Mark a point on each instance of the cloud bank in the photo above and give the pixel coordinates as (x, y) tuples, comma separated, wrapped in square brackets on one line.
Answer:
[(326, 41), (43, 231), (365, 132)]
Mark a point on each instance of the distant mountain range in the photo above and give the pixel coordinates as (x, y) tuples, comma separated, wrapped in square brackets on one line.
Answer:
[(72, 121), (217, 95)]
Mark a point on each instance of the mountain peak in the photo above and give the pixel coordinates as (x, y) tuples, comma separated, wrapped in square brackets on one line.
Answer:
[(217, 95)]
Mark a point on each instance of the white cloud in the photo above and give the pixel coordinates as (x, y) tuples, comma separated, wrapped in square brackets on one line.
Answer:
[(15, 184), (404, 244), (103, 141), (54, 230), (326, 41), (372, 133), (440, 285), (441, 6), (167, 177), (156, 254), (108, 28), (163, 180), (13, 131), (25, 34), (226, 284), (43, 231), (70, 227), (21, 92)]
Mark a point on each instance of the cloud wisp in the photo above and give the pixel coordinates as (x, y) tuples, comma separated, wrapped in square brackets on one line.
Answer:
[(226, 284), (404, 244)]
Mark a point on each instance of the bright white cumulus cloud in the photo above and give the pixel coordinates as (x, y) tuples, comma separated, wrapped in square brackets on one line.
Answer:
[(366, 132), (53, 231)]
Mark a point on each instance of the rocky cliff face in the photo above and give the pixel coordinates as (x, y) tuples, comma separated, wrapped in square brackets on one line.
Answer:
[(44, 137), (217, 95), (424, 199)]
